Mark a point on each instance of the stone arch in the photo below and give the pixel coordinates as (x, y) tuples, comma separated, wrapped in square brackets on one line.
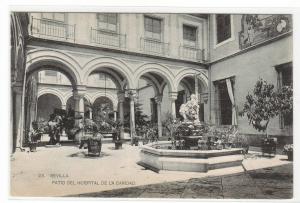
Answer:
[(187, 86), (100, 63), (70, 102), (42, 59), (54, 92), (153, 82), (191, 73), (159, 69), (71, 94), (109, 96)]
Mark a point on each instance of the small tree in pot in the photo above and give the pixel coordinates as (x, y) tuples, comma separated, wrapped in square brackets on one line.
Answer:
[(34, 136), (265, 103)]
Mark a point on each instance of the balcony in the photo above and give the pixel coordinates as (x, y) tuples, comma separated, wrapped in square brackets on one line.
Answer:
[(152, 46), (107, 38), (256, 30), (51, 29), (191, 53)]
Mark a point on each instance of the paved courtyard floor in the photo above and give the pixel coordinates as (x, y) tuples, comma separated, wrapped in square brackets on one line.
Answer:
[(67, 172)]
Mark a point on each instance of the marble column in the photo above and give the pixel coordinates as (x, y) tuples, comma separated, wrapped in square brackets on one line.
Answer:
[(196, 87), (133, 97), (197, 96), (158, 100), (173, 98), (79, 93), (121, 99), (115, 115), (79, 105), (90, 113), (18, 121), (64, 106)]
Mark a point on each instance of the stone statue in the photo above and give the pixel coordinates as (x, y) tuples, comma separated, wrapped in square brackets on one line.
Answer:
[(190, 110)]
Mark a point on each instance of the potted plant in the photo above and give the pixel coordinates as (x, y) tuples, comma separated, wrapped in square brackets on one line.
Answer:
[(135, 140), (94, 145), (116, 133), (264, 104), (171, 125), (117, 140), (34, 136), (288, 150), (90, 127), (91, 139)]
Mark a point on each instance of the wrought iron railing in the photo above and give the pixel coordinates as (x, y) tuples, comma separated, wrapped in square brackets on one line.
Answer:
[(152, 46), (53, 29), (191, 53), (108, 38), (255, 30)]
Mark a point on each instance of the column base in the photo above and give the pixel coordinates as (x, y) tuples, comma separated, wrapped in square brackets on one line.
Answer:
[(20, 149)]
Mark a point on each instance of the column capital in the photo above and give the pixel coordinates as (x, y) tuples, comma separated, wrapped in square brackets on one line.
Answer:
[(79, 91), (132, 95), (203, 97), (158, 99), (173, 95), (17, 87)]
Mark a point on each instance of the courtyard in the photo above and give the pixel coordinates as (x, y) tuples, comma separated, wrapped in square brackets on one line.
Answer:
[(169, 85), (66, 171)]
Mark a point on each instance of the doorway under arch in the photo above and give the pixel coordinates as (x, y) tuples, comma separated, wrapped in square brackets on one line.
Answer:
[(45, 106), (102, 105)]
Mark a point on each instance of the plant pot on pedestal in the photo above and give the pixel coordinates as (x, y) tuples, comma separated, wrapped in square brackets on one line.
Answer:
[(118, 144), (32, 146), (94, 146), (290, 155), (135, 141)]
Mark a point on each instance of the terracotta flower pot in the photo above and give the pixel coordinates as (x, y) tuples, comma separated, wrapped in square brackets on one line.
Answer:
[(118, 144), (32, 146), (290, 155), (94, 147)]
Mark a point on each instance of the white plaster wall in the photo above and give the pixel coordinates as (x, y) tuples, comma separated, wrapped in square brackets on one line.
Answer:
[(132, 25), (247, 69)]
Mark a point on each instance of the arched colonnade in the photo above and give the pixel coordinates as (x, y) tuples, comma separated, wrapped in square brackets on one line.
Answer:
[(124, 76)]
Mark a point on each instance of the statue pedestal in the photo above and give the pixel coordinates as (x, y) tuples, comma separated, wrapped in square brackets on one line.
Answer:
[(191, 141)]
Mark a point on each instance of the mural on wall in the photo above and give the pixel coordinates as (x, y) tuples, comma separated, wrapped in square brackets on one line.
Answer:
[(258, 28)]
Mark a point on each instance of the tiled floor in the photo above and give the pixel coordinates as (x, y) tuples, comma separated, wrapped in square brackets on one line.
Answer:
[(66, 171), (269, 183)]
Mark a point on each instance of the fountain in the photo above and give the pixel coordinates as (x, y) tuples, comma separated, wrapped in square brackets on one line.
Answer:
[(193, 148)]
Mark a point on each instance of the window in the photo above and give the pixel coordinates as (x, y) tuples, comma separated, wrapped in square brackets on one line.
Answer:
[(285, 78), (54, 16), (189, 35), (223, 27), (107, 21), (53, 25), (223, 106), (50, 73), (153, 29)]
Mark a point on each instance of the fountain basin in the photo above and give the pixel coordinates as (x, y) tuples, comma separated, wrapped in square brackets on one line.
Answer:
[(157, 156)]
